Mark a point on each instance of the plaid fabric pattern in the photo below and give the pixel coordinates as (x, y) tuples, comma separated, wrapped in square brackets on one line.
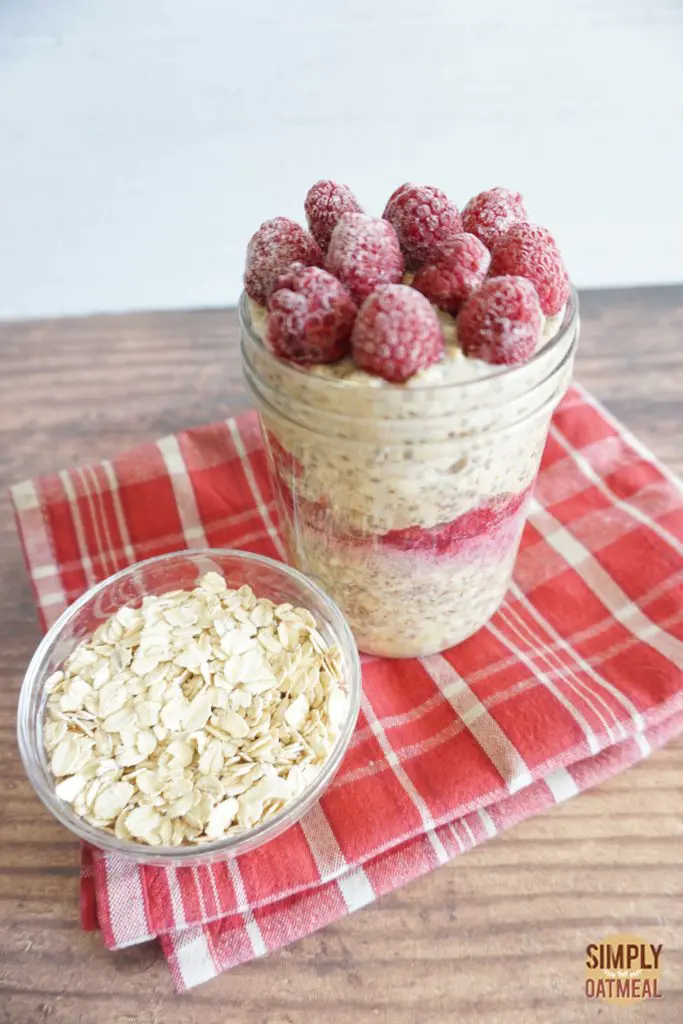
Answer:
[(579, 675)]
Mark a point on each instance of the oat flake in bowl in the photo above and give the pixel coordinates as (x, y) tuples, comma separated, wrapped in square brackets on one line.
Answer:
[(197, 717)]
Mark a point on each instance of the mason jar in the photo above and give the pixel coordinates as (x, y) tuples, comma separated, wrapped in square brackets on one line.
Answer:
[(407, 502)]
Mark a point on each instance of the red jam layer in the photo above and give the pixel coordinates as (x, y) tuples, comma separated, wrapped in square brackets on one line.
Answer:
[(495, 521), (484, 533)]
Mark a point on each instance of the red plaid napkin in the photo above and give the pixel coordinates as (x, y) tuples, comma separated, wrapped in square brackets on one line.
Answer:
[(579, 675)]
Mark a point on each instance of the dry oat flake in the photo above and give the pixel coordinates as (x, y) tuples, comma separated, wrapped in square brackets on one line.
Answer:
[(196, 716)]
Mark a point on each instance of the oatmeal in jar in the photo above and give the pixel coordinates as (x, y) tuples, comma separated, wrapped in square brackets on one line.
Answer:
[(405, 370)]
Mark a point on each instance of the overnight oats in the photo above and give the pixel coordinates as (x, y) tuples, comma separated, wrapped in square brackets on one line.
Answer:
[(406, 370)]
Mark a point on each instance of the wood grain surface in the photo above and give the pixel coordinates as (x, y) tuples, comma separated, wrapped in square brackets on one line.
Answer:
[(497, 935)]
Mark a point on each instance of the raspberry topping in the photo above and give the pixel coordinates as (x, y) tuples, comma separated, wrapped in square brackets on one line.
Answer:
[(310, 316), (530, 251), (396, 333), (490, 214), (275, 245), (460, 269), (501, 323), (364, 253), (424, 218), (325, 203)]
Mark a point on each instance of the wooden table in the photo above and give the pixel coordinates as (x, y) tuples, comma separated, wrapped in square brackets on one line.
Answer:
[(498, 935)]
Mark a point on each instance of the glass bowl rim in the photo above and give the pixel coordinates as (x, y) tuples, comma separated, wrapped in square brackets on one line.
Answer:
[(226, 847)]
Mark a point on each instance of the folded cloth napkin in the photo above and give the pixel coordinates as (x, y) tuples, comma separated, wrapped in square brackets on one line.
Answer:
[(578, 675)]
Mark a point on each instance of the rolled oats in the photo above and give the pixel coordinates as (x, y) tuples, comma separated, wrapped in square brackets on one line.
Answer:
[(194, 717)]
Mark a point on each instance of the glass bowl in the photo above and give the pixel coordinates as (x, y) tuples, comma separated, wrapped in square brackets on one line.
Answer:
[(180, 569)]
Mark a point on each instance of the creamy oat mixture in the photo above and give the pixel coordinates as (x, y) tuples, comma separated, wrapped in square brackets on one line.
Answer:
[(400, 606), (194, 717)]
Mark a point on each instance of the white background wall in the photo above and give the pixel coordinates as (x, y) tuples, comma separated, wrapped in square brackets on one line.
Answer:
[(142, 141)]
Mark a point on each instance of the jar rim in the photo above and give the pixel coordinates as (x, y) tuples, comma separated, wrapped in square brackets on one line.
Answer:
[(439, 442), (295, 373)]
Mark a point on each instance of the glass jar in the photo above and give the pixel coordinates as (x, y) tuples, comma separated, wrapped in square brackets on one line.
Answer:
[(407, 502)]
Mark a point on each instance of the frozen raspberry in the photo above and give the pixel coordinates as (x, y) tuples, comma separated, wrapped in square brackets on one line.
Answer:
[(396, 333), (530, 251), (424, 218), (459, 270), (325, 203), (501, 322), (276, 244), (310, 316), (490, 214), (364, 253)]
